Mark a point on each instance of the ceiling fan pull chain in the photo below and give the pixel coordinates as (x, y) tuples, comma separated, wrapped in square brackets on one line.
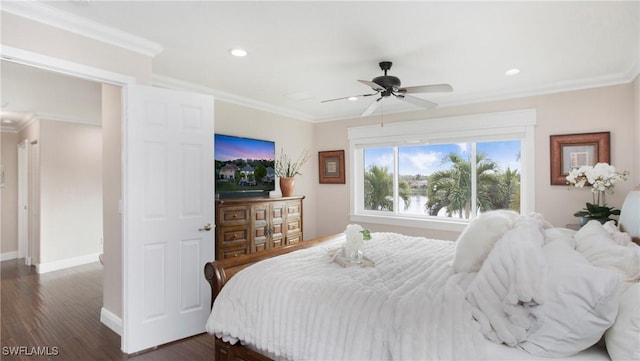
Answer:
[(382, 114)]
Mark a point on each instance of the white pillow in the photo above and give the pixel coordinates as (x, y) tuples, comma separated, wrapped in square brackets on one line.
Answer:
[(623, 338), (596, 245), (621, 238), (477, 240), (581, 303)]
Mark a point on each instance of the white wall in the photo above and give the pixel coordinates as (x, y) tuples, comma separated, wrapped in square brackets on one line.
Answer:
[(610, 108), (9, 196), (111, 194), (70, 191)]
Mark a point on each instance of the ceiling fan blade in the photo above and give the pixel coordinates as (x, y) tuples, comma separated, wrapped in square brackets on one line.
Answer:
[(433, 88), (373, 85), (370, 108), (353, 96), (417, 101)]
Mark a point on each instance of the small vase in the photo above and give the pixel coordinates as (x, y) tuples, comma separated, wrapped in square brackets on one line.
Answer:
[(286, 186), (353, 251), (354, 256), (600, 198)]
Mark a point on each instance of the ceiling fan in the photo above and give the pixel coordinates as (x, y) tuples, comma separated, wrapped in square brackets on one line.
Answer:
[(387, 85)]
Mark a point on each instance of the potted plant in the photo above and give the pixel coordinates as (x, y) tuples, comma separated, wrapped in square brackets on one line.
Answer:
[(602, 177), (595, 212), (287, 169)]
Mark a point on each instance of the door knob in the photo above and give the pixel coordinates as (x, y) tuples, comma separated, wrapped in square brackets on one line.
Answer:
[(207, 228)]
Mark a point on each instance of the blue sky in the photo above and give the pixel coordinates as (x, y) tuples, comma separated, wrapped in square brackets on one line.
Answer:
[(231, 148), (427, 159)]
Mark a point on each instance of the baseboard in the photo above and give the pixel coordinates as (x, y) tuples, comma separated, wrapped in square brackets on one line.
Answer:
[(8, 256), (110, 320), (67, 263)]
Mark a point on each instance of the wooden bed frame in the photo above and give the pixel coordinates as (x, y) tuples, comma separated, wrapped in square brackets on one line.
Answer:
[(217, 273)]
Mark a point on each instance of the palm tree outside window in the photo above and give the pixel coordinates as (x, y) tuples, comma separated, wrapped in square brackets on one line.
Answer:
[(439, 181)]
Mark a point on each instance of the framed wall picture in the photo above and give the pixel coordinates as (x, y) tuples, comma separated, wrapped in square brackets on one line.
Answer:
[(570, 151), (331, 166)]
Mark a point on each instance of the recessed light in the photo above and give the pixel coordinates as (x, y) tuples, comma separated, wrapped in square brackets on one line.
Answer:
[(238, 52), (7, 121), (352, 99), (512, 72)]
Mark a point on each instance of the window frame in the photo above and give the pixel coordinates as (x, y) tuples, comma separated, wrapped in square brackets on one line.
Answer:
[(510, 125)]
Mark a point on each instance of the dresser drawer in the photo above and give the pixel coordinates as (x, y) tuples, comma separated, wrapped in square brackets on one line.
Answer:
[(236, 215), (293, 208), (234, 236), (232, 253), (293, 225), (294, 238)]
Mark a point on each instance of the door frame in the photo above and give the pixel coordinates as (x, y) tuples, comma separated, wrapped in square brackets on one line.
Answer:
[(24, 249), (29, 58)]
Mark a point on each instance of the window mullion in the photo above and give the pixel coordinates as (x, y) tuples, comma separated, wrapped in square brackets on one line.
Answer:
[(474, 181), (396, 181)]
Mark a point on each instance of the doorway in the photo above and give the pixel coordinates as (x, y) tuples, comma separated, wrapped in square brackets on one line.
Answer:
[(116, 83), (24, 251), (63, 113)]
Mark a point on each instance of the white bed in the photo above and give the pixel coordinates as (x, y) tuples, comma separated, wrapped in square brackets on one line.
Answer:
[(508, 279)]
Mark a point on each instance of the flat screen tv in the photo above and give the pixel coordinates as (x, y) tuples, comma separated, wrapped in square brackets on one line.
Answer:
[(244, 166)]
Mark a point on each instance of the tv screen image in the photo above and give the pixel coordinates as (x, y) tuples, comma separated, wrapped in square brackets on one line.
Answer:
[(244, 166)]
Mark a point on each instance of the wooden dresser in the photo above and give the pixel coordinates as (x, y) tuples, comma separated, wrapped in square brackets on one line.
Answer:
[(251, 225)]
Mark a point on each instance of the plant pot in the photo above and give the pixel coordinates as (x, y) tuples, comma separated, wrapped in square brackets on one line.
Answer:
[(286, 186)]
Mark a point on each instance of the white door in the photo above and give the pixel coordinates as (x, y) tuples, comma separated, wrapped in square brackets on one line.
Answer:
[(168, 201)]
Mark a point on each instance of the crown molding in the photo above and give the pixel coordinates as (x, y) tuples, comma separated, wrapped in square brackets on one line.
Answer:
[(172, 83), (29, 118), (45, 14), (634, 70), (558, 87), (69, 119)]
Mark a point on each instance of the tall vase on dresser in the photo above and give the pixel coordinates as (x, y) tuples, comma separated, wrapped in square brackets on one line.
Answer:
[(287, 169), (287, 184)]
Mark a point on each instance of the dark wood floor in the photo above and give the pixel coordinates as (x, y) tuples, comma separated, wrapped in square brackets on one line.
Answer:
[(59, 313)]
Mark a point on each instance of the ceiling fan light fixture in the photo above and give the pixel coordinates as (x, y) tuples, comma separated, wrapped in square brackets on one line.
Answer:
[(239, 52)]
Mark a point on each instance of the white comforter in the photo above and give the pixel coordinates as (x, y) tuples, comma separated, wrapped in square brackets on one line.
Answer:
[(406, 307), (410, 306)]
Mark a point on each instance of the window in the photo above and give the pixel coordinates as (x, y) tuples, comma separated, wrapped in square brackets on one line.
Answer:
[(420, 173)]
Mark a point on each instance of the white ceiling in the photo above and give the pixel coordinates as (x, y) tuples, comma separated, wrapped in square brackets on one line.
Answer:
[(303, 52)]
